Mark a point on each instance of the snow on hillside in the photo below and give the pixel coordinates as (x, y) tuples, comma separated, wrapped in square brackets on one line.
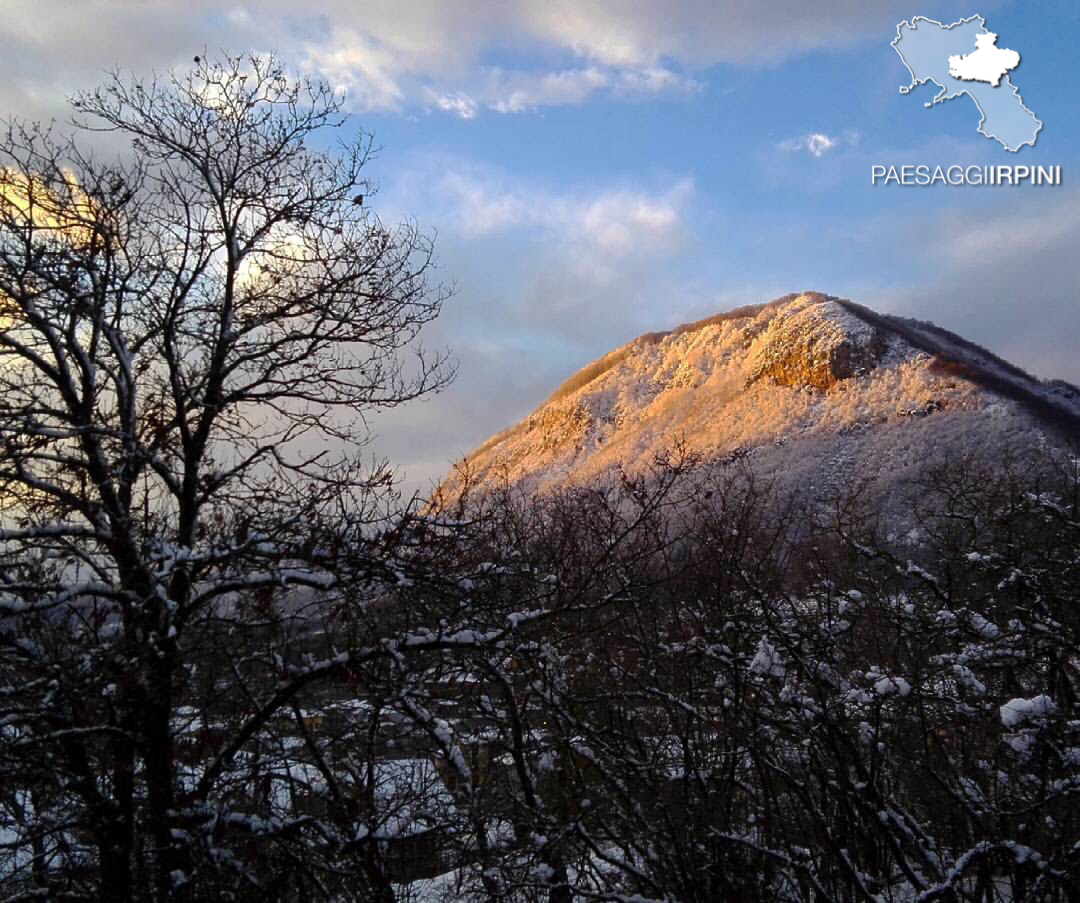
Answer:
[(820, 392)]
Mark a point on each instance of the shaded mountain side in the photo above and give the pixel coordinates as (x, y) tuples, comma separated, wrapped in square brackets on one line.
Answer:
[(1055, 402), (814, 391)]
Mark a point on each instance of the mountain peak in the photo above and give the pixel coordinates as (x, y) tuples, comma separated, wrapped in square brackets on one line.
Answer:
[(810, 386)]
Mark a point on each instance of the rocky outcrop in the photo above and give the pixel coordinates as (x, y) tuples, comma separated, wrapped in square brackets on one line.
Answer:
[(816, 343)]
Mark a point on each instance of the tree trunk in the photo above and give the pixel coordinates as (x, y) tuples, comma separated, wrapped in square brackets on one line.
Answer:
[(170, 855)]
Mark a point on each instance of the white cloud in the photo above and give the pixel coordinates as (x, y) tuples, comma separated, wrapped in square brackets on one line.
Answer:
[(479, 205), (520, 91), (705, 32), (614, 221), (655, 80), (459, 104), (816, 143), (389, 55), (819, 143), (367, 72), (517, 92), (623, 221)]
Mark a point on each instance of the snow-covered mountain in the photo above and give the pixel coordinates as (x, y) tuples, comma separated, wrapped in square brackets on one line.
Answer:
[(815, 390)]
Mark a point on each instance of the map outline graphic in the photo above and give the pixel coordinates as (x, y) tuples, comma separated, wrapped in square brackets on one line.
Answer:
[(962, 87)]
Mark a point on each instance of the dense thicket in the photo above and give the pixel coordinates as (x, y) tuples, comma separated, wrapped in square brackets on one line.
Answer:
[(711, 693)]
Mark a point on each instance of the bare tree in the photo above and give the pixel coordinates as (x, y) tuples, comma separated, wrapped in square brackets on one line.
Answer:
[(190, 339)]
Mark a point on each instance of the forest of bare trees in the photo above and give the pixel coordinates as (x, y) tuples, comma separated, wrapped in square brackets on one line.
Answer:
[(231, 669)]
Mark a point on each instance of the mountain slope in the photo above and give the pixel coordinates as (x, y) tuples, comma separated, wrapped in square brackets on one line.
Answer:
[(817, 391)]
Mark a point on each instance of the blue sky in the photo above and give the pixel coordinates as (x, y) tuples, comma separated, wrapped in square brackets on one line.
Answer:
[(597, 170)]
